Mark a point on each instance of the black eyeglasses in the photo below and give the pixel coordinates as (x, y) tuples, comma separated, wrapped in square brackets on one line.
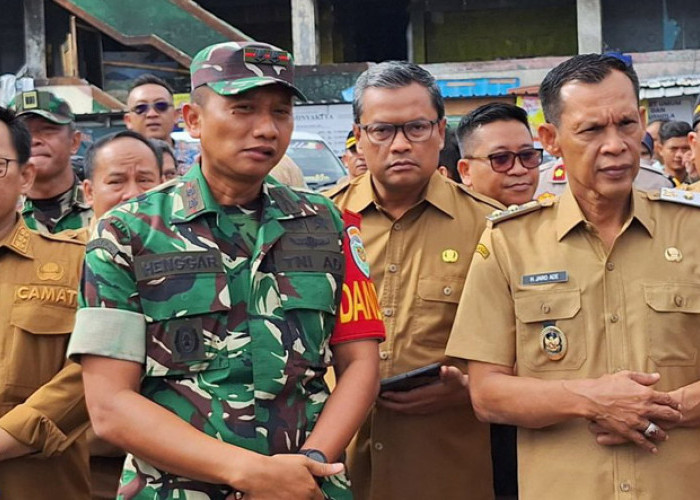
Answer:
[(4, 164), (158, 106), (503, 161), (384, 133)]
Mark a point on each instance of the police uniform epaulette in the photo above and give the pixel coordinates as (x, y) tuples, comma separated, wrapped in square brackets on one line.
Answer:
[(676, 195), (76, 236), (518, 210)]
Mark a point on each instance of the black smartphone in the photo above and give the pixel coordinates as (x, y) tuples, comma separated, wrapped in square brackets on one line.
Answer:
[(411, 380)]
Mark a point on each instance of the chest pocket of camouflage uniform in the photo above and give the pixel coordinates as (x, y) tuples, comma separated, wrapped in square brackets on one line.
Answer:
[(308, 300), (186, 317), (562, 308), (672, 322)]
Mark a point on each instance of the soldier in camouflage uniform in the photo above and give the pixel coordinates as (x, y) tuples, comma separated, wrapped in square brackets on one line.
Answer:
[(212, 306), (56, 201)]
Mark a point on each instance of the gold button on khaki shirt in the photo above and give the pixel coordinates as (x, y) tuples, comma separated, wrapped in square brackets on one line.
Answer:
[(419, 263), (635, 307), (41, 392)]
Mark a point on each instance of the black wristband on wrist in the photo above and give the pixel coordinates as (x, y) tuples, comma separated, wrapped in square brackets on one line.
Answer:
[(313, 454)]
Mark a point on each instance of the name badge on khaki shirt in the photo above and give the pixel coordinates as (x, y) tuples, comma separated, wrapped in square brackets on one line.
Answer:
[(543, 278)]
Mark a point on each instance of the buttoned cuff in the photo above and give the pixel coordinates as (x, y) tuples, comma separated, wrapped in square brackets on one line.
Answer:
[(112, 333)]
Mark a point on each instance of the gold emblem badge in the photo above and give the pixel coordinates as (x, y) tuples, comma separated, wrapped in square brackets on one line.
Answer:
[(553, 342), (483, 251), (51, 271), (450, 255), (672, 254), (20, 240)]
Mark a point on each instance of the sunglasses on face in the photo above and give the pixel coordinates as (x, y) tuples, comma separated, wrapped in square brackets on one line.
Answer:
[(502, 162), (158, 106)]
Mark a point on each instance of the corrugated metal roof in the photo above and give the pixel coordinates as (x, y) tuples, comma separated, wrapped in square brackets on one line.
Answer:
[(669, 86)]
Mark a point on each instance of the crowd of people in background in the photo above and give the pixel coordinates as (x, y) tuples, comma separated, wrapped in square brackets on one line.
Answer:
[(169, 335)]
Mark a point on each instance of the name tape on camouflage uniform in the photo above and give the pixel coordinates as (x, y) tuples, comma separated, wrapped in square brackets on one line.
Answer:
[(316, 261), (148, 267)]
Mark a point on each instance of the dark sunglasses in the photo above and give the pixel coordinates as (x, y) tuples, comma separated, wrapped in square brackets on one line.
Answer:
[(159, 107), (502, 162)]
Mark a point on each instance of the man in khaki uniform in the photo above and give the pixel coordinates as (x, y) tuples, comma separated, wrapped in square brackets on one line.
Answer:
[(498, 156), (420, 230), (42, 408), (583, 315)]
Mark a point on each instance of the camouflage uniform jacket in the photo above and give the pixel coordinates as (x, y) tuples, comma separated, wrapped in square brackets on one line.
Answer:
[(236, 334), (75, 213)]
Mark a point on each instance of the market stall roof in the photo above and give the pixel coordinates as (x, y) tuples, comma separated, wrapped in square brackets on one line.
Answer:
[(669, 86)]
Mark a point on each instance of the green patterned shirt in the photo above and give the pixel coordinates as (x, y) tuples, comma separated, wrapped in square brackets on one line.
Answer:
[(74, 212), (239, 308)]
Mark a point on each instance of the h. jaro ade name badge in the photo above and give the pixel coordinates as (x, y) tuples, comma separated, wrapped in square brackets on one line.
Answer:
[(553, 342)]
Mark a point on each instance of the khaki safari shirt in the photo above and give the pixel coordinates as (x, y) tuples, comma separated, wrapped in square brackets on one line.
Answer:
[(41, 393), (636, 307), (419, 263)]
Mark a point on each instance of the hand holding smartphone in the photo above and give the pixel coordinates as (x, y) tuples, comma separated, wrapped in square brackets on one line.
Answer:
[(411, 379)]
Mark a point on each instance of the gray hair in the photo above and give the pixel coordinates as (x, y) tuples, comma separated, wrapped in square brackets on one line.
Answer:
[(394, 75)]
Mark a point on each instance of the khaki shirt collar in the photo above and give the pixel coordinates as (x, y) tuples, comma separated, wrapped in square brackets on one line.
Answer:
[(19, 239), (569, 214), (437, 194)]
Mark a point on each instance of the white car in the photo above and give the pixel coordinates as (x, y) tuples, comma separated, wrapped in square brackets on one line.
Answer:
[(321, 168)]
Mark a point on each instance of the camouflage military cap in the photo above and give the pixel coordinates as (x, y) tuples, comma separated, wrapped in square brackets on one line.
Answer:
[(44, 104), (232, 68)]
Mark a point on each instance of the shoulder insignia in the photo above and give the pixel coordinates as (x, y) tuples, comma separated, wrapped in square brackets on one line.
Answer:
[(104, 244), (191, 197), (517, 210), (559, 174), (76, 236), (546, 196), (679, 196), (285, 201), (694, 186), (20, 240)]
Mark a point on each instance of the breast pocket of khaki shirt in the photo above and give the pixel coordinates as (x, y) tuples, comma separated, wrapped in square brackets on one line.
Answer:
[(38, 346), (672, 322), (560, 308), (435, 309), (186, 323)]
